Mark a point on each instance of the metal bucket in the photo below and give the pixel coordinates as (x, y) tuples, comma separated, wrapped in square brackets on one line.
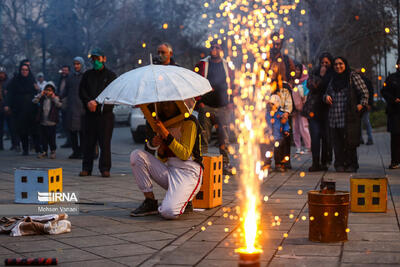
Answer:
[(328, 215)]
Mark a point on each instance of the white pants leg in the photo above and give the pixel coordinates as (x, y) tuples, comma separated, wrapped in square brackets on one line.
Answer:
[(181, 179), (183, 184), (145, 168)]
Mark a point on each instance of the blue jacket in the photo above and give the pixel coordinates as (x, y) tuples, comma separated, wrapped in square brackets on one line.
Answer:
[(275, 125)]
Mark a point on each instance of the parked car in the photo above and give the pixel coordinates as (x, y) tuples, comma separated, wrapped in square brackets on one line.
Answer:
[(137, 123), (121, 113)]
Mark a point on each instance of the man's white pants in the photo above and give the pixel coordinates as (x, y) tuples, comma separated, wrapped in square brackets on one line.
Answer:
[(181, 179)]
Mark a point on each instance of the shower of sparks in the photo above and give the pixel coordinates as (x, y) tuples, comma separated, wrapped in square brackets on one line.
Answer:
[(246, 29)]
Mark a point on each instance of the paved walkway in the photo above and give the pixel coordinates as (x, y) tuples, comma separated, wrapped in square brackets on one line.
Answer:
[(105, 235)]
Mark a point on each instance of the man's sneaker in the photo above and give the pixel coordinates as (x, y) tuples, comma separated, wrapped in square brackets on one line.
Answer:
[(189, 207), (148, 207), (105, 174), (298, 150), (394, 166), (370, 142), (339, 169), (280, 168), (66, 145), (85, 173), (52, 154), (75, 156), (42, 155)]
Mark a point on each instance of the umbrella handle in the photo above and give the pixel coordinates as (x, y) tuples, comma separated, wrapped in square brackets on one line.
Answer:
[(155, 110)]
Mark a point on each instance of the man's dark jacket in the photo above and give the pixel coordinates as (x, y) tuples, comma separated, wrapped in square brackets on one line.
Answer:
[(92, 84), (391, 91)]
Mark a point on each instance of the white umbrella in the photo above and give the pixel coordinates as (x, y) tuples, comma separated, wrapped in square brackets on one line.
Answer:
[(154, 83)]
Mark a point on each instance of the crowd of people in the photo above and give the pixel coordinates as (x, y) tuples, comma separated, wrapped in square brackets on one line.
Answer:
[(321, 110), (31, 109), (326, 106)]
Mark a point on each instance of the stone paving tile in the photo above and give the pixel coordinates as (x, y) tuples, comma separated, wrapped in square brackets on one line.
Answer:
[(32, 246), (97, 263), (209, 236), (144, 236), (367, 265), (4, 250), (305, 241), (92, 241), (310, 250), (374, 227), (120, 250), (371, 257), (189, 253), (117, 228), (365, 246), (305, 261), (157, 244), (374, 236), (5, 239), (65, 255), (220, 263), (132, 260)]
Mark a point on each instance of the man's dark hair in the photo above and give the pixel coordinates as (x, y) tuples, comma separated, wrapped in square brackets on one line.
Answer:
[(66, 66)]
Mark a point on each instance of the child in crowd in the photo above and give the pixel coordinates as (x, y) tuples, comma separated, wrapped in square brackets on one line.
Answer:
[(48, 118), (299, 122), (278, 127)]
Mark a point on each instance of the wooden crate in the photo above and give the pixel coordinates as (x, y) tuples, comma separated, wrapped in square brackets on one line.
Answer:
[(368, 193), (29, 181), (210, 194)]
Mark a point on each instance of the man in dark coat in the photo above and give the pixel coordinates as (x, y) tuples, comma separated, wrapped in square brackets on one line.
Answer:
[(391, 93), (99, 119), (3, 85), (62, 85), (74, 108)]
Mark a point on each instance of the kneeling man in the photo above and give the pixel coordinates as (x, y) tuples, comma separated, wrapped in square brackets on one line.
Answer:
[(177, 166)]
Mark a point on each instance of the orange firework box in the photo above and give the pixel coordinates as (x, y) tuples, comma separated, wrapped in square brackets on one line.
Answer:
[(210, 194), (368, 193), (185, 109)]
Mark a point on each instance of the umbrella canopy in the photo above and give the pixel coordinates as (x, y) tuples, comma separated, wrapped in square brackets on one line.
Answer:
[(154, 83)]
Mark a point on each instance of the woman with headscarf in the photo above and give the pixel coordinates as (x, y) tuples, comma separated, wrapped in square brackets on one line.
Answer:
[(21, 91), (321, 146), (74, 110), (347, 96)]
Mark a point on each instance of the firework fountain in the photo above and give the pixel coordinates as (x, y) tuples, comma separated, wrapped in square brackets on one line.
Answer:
[(248, 37)]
